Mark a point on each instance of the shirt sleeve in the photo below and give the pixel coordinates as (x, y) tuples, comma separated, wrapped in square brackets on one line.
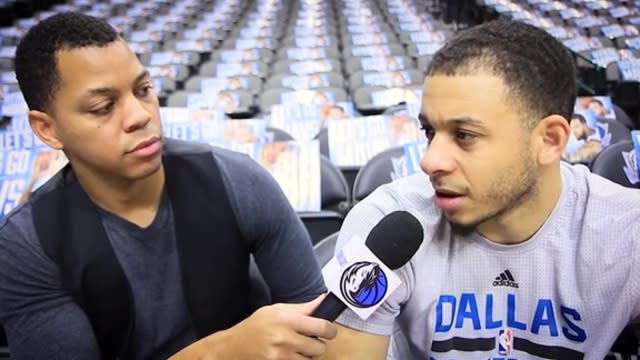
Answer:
[(40, 318), (283, 250)]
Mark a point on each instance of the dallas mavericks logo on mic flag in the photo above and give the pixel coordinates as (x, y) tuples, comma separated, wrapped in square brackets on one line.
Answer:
[(359, 278), (363, 284)]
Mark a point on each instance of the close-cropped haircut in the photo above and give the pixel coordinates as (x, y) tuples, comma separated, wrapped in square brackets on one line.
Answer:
[(538, 71), (579, 118), (596, 101), (35, 61)]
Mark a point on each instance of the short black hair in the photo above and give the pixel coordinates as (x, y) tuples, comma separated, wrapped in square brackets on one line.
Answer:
[(35, 61), (336, 106), (597, 101), (578, 117), (538, 71)]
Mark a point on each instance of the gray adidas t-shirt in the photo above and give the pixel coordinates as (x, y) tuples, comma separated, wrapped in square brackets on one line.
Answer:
[(565, 294), (43, 322)]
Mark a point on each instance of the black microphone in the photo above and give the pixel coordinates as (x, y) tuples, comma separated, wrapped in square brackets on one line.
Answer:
[(394, 241)]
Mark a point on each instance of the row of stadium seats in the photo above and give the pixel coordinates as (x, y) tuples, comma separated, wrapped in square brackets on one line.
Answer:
[(362, 56)]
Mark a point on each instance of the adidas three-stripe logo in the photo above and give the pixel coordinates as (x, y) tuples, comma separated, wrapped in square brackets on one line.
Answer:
[(505, 279)]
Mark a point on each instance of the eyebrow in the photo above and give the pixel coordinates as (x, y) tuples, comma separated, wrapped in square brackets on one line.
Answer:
[(143, 74), (461, 121), (468, 121), (105, 91)]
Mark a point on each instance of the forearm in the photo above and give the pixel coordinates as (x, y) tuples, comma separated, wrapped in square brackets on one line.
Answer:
[(354, 344)]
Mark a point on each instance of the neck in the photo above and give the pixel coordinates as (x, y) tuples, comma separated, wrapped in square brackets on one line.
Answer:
[(520, 223), (134, 200)]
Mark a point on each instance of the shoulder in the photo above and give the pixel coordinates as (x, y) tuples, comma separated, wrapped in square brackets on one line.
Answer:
[(413, 194), (600, 207), (235, 163), (181, 147), (19, 239), (251, 190), (22, 253), (237, 169), (410, 190), (589, 191), (19, 222)]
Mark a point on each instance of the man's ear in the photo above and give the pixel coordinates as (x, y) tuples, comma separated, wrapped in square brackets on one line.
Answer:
[(552, 134), (44, 127)]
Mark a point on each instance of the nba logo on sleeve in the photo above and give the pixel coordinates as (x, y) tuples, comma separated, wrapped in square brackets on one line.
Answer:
[(505, 342)]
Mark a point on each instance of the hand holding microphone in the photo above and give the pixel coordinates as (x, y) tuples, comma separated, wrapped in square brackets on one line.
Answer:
[(279, 331), (301, 330), (297, 331)]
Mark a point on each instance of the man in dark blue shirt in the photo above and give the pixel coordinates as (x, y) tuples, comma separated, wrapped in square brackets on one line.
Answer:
[(90, 97)]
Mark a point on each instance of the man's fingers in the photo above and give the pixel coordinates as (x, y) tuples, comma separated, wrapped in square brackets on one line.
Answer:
[(297, 316), (300, 357), (309, 307), (314, 327), (297, 343), (303, 308), (309, 347)]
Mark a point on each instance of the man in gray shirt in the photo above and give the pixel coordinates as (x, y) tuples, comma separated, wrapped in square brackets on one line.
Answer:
[(524, 256), (90, 97)]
